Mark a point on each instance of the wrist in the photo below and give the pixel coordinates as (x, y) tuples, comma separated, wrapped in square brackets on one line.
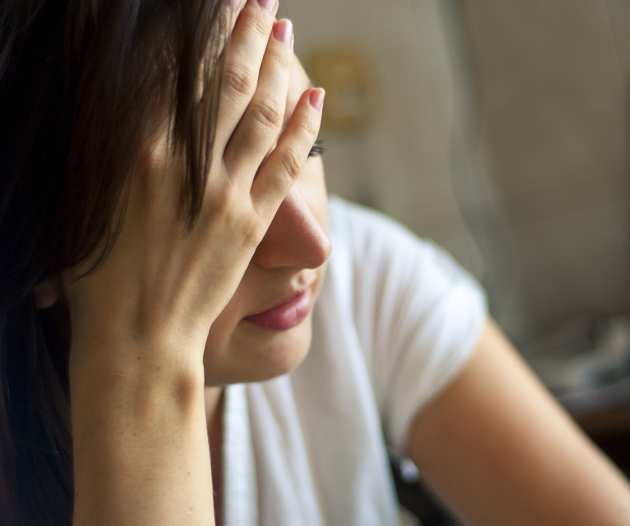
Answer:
[(122, 364)]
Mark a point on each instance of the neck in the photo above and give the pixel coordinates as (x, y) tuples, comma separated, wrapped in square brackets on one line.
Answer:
[(214, 397)]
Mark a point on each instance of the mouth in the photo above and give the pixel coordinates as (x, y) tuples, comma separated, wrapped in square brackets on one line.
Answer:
[(286, 314)]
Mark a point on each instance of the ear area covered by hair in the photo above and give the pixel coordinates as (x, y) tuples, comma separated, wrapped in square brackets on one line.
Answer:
[(46, 294)]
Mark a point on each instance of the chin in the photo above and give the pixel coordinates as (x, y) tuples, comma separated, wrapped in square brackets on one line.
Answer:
[(259, 354), (280, 355)]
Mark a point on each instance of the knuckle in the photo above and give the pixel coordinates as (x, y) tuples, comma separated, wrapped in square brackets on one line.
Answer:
[(256, 22), (309, 128), (239, 81), (281, 58), (291, 163), (267, 114), (219, 200)]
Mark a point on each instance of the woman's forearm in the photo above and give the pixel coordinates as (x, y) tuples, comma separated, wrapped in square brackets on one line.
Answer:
[(140, 445)]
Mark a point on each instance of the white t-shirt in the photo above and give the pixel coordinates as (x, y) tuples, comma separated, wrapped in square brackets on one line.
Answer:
[(396, 320)]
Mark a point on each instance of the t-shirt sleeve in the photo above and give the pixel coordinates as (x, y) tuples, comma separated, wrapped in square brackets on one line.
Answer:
[(419, 315)]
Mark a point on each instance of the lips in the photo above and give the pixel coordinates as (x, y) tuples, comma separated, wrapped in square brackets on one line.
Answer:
[(287, 313)]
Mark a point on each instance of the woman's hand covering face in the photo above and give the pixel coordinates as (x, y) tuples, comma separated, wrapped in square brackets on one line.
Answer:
[(175, 282)]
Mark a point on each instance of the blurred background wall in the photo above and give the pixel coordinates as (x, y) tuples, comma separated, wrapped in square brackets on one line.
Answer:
[(497, 128)]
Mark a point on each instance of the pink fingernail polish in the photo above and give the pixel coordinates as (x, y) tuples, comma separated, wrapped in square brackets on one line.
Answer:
[(283, 30), (316, 98), (266, 4)]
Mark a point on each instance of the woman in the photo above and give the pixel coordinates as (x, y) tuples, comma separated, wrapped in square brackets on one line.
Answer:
[(163, 202)]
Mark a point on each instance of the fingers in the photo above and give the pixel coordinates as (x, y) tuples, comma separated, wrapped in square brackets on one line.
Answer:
[(263, 121), (280, 170), (235, 6), (243, 59)]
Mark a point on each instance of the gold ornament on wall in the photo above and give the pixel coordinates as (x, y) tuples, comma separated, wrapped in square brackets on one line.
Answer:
[(347, 76)]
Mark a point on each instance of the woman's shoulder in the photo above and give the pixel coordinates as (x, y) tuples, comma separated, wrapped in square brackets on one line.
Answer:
[(355, 219), (416, 312), (370, 240), (364, 227), (382, 265)]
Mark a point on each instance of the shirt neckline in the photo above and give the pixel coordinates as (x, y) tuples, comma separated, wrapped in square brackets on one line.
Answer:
[(240, 496)]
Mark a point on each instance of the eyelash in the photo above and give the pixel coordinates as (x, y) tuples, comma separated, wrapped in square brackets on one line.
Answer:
[(318, 149)]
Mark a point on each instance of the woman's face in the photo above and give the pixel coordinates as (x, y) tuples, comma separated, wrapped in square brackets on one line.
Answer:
[(292, 257)]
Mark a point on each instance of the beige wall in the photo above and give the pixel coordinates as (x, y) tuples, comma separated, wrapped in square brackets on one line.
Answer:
[(501, 133), (552, 85)]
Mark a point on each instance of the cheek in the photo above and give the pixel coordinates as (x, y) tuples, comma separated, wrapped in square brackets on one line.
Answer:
[(222, 334)]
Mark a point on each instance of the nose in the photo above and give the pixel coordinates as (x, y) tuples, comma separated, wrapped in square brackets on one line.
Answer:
[(295, 237)]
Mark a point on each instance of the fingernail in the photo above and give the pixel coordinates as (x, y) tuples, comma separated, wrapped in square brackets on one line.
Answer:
[(283, 30), (316, 98), (266, 4)]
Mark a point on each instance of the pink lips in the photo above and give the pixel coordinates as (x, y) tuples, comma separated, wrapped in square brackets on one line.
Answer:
[(287, 315)]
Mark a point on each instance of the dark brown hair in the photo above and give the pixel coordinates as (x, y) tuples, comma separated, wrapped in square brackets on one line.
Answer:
[(81, 85)]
